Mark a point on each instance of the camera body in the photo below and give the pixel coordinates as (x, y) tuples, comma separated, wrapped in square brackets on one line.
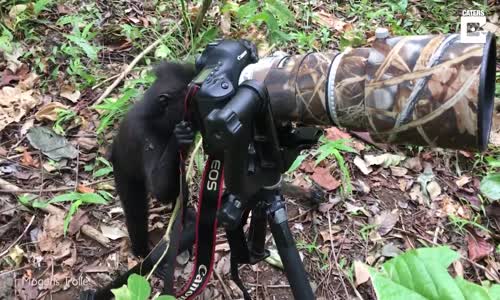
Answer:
[(219, 68)]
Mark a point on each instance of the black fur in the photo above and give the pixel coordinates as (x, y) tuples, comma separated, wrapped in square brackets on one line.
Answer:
[(145, 153)]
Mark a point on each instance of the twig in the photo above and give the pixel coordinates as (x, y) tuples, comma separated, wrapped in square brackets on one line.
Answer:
[(224, 286), (191, 160), (201, 16), (15, 270), (275, 286), (166, 236), (19, 238), (77, 167), (104, 81), (87, 230), (335, 256), (40, 190), (129, 68), (7, 187)]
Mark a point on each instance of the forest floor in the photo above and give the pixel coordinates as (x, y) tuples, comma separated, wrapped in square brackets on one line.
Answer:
[(61, 225)]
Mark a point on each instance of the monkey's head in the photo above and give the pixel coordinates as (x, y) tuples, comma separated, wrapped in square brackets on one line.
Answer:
[(169, 88)]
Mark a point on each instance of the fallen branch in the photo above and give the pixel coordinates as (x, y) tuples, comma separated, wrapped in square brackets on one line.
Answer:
[(87, 230), (201, 15), (129, 68), (7, 187)]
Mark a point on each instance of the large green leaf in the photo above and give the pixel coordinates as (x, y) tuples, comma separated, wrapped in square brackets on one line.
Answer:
[(422, 274), (65, 197), (89, 50), (296, 163), (248, 9), (122, 293), (139, 287), (490, 186), (92, 198), (282, 12)]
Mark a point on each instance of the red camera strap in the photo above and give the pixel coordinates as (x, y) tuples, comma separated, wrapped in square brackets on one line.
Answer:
[(209, 202)]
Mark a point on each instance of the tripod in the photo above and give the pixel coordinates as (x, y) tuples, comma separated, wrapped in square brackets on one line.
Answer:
[(269, 208)]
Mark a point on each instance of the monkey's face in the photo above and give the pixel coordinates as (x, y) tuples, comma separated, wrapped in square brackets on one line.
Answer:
[(164, 100), (171, 84)]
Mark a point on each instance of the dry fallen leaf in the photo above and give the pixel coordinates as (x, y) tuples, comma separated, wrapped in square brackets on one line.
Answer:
[(325, 234), (331, 21), (84, 189), (307, 166), (112, 232), (434, 190), (323, 177), (69, 92), (8, 77), (385, 160), (333, 134), (463, 180), (361, 272), (14, 104), (53, 226), (77, 221), (495, 138), (49, 111), (223, 265), (361, 186), (362, 166), (28, 160), (386, 221), (478, 247), (398, 171), (26, 126)]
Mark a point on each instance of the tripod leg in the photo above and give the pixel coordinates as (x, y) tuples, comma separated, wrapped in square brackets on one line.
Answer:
[(294, 269)]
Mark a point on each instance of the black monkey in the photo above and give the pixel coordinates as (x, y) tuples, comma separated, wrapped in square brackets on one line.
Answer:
[(145, 154)]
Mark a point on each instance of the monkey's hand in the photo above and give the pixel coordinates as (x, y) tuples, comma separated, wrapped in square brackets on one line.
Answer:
[(184, 134)]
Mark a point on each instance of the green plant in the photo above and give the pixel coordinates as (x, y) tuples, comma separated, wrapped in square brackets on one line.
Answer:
[(102, 171), (490, 184), (137, 288), (461, 223), (132, 33), (335, 148), (30, 200), (6, 40), (77, 199), (63, 116), (274, 14), (366, 230), (113, 110), (309, 247), (41, 5), (79, 44), (101, 167), (423, 274), (314, 248)]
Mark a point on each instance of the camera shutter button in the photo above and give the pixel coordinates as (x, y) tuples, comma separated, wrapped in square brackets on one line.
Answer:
[(224, 85)]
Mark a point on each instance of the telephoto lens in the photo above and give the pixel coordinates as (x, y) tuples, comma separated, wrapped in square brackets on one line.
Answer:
[(431, 90)]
